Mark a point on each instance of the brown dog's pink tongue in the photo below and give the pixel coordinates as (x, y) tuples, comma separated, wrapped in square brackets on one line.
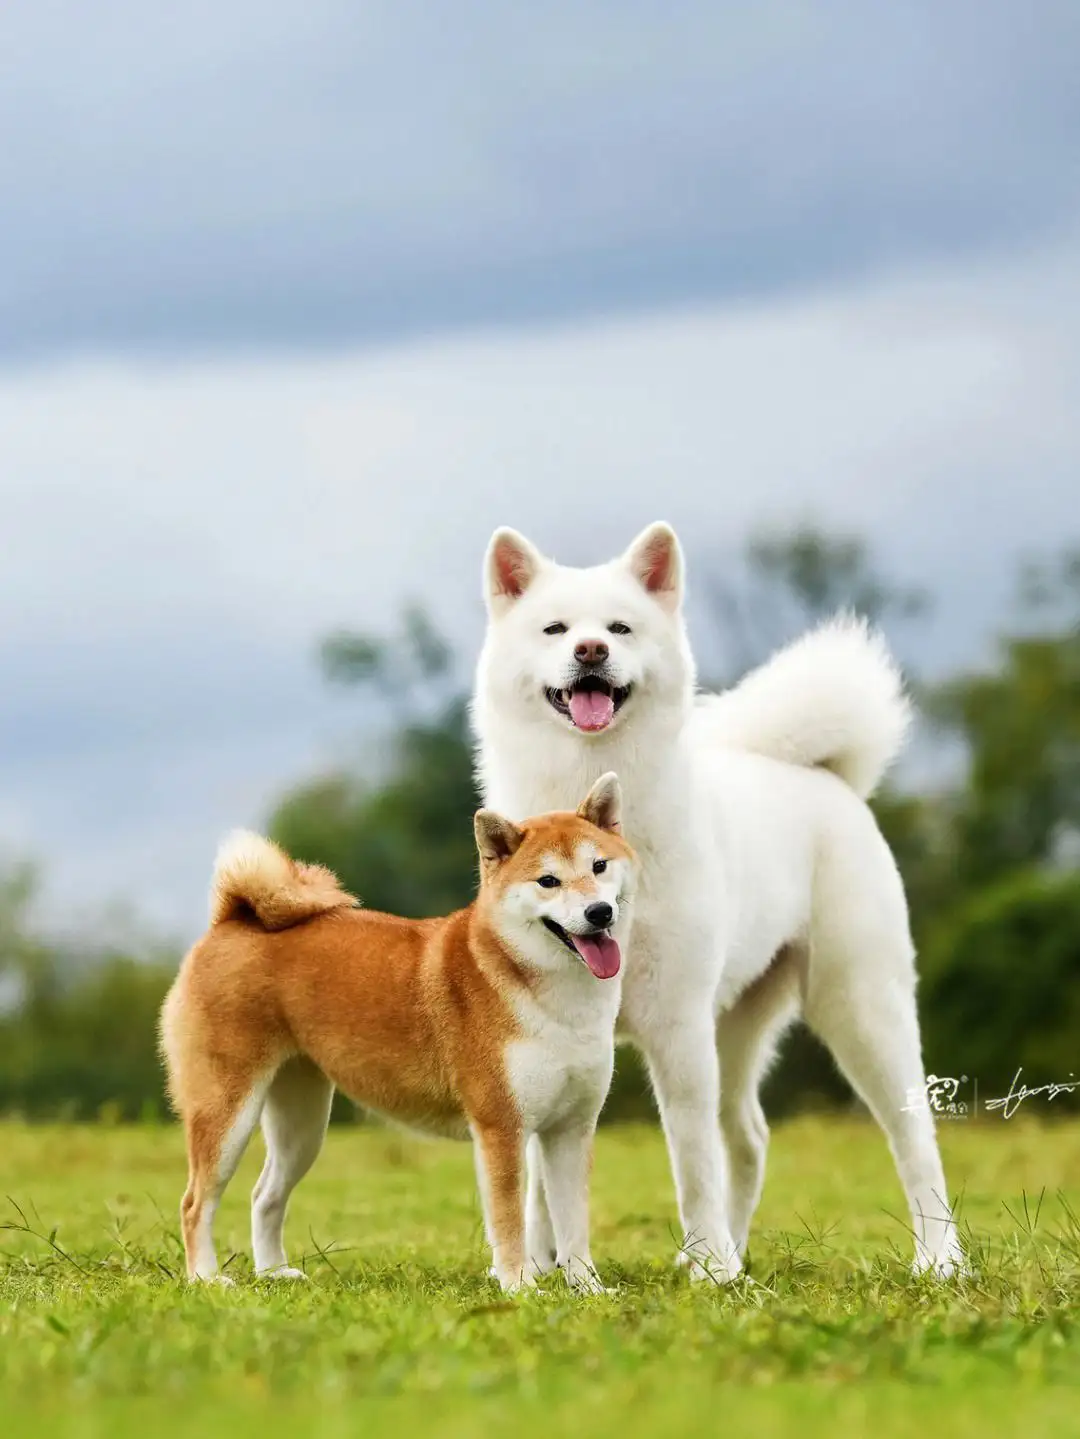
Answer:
[(600, 952), (591, 709)]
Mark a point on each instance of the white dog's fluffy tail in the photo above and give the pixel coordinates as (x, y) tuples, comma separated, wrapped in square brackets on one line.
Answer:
[(833, 699), (255, 877)]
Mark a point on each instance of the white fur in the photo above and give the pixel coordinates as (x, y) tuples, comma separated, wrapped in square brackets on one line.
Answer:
[(560, 1069), (766, 886), (832, 699)]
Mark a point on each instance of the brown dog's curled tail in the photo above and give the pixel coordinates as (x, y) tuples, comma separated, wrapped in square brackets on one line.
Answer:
[(253, 877)]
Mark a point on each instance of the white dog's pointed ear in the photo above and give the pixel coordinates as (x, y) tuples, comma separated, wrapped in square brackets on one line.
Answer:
[(602, 806), (510, 566), (655, 559), (496, 838)]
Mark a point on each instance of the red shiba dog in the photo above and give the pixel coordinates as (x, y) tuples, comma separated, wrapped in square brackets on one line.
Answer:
[(496, 1022)]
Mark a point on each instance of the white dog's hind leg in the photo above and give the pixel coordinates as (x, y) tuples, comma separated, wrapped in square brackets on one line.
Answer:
[(294, 1123), (540, 1242), (682, 1060), (747, 1035), (871, 1026)]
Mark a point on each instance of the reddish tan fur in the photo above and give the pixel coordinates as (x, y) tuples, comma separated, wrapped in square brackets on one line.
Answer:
[(293, 982)]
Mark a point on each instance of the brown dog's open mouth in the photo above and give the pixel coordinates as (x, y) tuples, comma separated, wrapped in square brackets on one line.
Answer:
[(590, 704), (599, 951)]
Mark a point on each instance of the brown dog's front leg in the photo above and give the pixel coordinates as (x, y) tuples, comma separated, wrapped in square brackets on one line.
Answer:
[(500, 1156)]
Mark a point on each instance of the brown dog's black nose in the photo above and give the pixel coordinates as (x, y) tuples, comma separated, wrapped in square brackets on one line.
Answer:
[(599, 915), (591, 652)]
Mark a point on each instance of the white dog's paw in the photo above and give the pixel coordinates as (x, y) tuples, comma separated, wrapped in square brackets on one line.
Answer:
[(284, 1271), (704, 1266), (541, 1260), (952, 1263), (583, 1278), (220, 1281)]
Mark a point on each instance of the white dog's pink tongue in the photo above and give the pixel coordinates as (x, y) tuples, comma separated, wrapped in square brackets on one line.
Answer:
[(600, 952), (591, 709)]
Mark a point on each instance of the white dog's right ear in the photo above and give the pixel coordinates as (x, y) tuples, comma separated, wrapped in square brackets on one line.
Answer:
[(510, 566), (655, 559)]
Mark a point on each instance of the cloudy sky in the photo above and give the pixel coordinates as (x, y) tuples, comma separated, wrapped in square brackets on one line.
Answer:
[(298, 301)]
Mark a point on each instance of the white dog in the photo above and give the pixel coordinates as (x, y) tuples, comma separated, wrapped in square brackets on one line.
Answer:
[(766, 886)]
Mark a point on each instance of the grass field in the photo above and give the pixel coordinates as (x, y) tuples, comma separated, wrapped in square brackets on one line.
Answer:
[(400, 1331)]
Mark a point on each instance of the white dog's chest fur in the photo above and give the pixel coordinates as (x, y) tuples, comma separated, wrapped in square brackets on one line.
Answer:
[(726, 844)]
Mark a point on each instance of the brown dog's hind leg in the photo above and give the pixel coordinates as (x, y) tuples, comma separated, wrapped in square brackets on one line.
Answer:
[(294, 1120), (217, 1135)]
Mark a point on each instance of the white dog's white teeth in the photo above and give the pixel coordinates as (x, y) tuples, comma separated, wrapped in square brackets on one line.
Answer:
[(564, 695)]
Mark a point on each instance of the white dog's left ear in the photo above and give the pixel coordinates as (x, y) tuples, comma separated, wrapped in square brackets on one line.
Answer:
[(511, 564), (655, 559), (602, 806)]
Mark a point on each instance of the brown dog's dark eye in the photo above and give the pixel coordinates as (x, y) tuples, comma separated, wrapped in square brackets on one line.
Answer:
[(548, 881), (618, 628), (558, 628), (599, 865)]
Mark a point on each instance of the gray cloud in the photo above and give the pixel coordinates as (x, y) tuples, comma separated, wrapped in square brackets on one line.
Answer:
[(179, 535), (320, 173)]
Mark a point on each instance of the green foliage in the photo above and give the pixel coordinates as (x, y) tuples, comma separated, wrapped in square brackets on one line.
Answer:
[(1001, 984), (786, 581), (406, 845), (1021, 727), (77, 1024), (78, 1036)]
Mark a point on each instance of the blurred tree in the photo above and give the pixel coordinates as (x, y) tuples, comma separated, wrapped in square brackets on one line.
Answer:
[(403, 842), (1020, 723), (1001, 985), (78, 1027), (784, 582)]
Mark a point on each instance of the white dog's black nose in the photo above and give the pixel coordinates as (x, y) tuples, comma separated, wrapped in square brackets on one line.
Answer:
[(599, 915)]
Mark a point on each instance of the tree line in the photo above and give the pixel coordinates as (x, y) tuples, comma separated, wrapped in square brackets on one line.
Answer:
[(989, 846)]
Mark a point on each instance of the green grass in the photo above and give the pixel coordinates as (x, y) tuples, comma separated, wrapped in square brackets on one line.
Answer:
[(401, 1332)]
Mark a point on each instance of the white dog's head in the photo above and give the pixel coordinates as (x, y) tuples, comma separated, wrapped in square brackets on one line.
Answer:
[(587, 648)]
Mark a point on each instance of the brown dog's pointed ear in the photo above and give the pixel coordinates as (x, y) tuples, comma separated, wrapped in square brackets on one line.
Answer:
[(602, 806), (655, 560), (510, 566), (496, 838)]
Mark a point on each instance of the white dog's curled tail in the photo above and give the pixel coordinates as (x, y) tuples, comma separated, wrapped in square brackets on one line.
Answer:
[(255, 878), (834, 699)]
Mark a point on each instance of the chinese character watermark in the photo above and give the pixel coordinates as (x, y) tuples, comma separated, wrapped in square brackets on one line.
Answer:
[(945, 1096)]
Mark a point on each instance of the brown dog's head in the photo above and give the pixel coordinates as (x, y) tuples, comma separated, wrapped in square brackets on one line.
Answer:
[(560, 883)]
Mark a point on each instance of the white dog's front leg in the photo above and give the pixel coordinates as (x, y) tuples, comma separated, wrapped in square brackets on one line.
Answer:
[(686, 1076)]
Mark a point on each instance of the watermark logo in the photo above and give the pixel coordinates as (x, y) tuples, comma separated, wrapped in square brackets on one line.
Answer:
[(949, 1097), (1019, 1092), (944, 1096)]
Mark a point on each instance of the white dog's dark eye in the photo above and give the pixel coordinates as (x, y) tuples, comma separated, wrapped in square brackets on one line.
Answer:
[(599, 865), (548, 881), (558, 628), (618, 628)]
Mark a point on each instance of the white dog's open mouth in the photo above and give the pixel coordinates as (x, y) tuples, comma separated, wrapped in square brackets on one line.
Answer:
[(590, 704)]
